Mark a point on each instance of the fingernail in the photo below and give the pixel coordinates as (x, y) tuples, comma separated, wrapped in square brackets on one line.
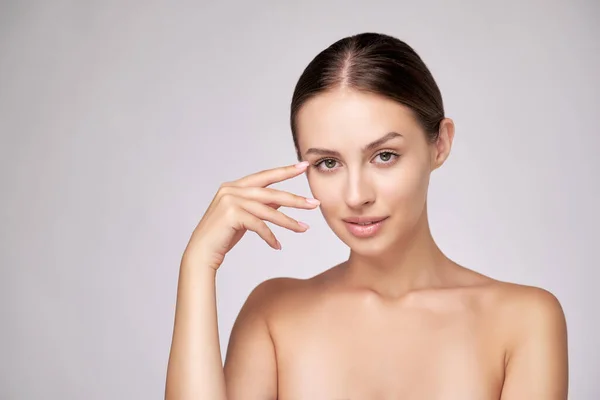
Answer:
[(278, 245), (313, 201), (304, 225), (301, 164)]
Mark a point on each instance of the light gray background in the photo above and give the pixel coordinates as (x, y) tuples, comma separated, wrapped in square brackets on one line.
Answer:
[(119, 119)]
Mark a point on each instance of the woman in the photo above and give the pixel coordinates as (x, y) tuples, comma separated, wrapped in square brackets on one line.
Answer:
[(398, 319)]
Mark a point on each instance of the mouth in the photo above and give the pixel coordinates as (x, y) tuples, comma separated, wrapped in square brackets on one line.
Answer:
[(364, 220), (364, 226)]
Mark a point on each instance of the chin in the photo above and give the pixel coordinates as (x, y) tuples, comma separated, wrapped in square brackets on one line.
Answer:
[(366, 252), (373, 247)]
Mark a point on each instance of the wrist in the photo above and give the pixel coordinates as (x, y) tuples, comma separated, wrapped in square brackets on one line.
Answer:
[(199, 263)]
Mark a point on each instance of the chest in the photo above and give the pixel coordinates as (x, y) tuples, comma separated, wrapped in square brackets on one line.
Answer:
[(355, 353)]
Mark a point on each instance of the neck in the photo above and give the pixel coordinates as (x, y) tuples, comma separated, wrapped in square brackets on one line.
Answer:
[(414, 263)]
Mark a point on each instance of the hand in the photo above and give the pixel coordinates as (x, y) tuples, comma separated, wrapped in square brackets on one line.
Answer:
[(243, 205)]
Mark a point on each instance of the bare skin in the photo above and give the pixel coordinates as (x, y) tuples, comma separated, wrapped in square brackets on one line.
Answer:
[(397, 320), (331, 338)]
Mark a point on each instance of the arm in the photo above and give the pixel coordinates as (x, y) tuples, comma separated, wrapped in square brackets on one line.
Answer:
[(250, 365), (195, 367), (537, 362)]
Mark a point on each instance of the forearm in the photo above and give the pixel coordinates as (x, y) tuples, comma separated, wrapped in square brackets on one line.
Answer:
[(195, 365)]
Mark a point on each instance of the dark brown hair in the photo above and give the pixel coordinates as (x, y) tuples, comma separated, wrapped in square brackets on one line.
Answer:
[(374, 63)]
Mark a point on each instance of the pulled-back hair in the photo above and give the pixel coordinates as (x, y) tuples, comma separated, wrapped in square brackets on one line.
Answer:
[(374, 63)]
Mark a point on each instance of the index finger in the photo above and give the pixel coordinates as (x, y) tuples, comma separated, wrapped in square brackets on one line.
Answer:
[(271, 176)]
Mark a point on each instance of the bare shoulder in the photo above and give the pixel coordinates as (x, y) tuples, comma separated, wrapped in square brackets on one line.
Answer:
[(251, 362), (527, 304), (278, 294), (273, 287), (534, 331), (526, 317), (282, 300), (528, 325), (515, 311), (515, 301)]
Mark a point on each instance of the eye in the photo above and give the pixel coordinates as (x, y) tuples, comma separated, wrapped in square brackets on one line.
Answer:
[(329, 164), (326, 164), (387, 157)]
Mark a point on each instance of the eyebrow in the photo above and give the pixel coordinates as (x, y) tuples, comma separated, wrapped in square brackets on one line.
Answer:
[(326, 152)]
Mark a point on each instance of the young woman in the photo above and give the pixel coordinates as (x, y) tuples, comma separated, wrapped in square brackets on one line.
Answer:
[(398, 319)]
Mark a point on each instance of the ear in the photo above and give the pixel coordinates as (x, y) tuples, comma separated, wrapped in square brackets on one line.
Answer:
[(442, 146)]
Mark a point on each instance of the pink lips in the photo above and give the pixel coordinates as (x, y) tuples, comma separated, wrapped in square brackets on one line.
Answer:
[(364, 231)]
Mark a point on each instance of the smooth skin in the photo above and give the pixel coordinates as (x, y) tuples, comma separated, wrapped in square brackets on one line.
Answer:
[(397, 320)]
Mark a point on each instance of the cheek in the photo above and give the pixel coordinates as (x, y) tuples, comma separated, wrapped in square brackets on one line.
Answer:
[(323, 189), (329, 191), (407, 186)]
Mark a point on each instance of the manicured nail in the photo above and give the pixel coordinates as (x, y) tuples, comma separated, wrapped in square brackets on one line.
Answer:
[(301, 164), (313, 201), (302, 224)]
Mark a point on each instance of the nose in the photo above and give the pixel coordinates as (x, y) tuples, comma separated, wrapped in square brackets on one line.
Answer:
[(359, 190)]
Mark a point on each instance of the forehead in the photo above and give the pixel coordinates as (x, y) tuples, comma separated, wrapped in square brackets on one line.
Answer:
[(347, 118)]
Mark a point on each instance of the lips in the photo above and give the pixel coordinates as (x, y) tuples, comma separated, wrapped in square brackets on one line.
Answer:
[(363, 220), (364, 227)]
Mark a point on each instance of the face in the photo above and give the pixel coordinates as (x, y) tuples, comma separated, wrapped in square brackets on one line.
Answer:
[(369, 160)]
